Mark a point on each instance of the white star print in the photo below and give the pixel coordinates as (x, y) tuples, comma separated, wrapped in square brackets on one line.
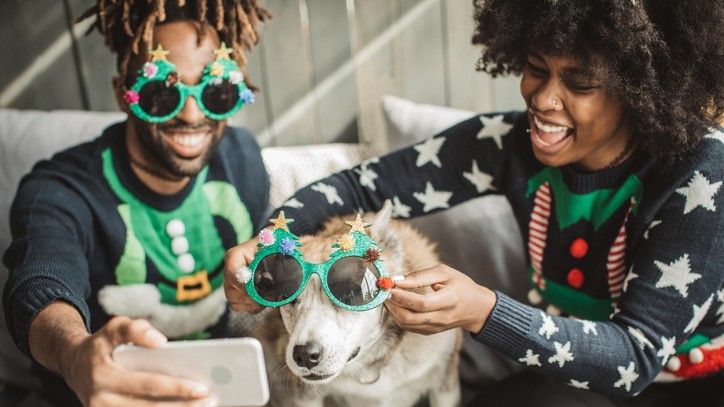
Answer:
[(563, 354), (630, 276), (652, 225), (367, 177), (294, 203), (329, 192), (399, 210), (628, 376), (549, 327), (699, 314), (530, 358), (615, 311), (589, 326), (481, 180), (432, 199), (668, 348), (699, 192), (716, 135), (428, 151), (720, 311), (494, 127), (677, 274), (640, 337), (579, 385)]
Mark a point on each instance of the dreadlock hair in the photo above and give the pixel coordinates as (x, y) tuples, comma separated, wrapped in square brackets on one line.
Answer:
[(663, 59), (128, 24)]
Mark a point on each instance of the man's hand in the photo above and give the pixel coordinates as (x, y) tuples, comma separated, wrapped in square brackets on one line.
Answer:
[(456, 301), (236, 258), (59, 341)]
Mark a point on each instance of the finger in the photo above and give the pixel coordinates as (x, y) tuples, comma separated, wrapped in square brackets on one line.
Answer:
[(153, 385), (114, 399), (432, 301), (426, 324), (240, 301), (139, 331), (423, 278)]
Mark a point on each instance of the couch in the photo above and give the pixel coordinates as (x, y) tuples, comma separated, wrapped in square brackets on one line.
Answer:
[(479, 237)]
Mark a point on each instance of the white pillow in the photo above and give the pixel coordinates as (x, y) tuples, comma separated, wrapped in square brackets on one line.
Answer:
[(413, 122)]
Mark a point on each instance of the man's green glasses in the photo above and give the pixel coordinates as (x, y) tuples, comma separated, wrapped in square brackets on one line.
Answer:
[(354, 277), (158, 95)]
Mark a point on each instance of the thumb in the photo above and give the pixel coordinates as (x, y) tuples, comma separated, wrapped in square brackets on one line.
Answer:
[(422, 278)]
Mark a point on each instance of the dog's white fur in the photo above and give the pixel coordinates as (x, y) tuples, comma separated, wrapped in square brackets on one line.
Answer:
[(369, 360)]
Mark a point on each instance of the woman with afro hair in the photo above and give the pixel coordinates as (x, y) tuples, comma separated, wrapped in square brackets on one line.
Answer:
[(614, 173)]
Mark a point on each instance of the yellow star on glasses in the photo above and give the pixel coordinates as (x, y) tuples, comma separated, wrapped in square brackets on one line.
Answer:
[(158, 54), (222, 52), (281, 222), (358, 225)]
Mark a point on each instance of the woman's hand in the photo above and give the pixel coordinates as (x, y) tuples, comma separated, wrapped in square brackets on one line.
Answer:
[(456, 301), (236, 258)]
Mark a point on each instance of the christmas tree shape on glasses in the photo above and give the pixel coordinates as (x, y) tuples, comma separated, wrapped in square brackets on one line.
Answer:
[(354, 276)]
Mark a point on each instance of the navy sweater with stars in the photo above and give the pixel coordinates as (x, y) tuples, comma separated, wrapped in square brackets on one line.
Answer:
[(629, 259)]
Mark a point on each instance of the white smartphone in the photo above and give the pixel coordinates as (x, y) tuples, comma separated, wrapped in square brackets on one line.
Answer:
[(233, 368)]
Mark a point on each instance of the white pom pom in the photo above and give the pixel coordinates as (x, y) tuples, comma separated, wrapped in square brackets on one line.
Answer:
[(186, 263), (179, 245), (673, 364), (175, 228), (243, 275), (534, 297), (696, 356)]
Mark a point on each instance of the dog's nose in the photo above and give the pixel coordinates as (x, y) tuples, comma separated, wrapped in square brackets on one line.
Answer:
[(307, 355)]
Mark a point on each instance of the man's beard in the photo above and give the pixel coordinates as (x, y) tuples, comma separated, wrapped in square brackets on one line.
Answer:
[(163, 159)]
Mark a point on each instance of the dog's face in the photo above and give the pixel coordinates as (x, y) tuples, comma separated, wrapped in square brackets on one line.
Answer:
[(324, 338)]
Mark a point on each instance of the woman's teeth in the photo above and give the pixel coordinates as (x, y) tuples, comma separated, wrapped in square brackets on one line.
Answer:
[(548, 129)]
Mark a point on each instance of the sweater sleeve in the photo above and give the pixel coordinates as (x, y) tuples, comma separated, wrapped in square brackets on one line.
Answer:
[(459, 164), (669, 291), (46, 258)]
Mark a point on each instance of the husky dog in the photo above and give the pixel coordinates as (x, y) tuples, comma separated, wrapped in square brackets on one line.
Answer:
[(319, 354)]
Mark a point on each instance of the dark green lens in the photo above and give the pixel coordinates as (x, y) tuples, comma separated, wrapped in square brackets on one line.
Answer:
[(353, 280), (277, 277), (158, 99), (220, 97)]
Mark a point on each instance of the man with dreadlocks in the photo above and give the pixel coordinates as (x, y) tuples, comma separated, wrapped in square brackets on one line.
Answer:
[(135, 223), (614, 173)]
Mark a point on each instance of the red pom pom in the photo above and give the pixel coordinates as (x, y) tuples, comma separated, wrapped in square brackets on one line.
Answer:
[(579, 248), (385, 283), (575, 278)]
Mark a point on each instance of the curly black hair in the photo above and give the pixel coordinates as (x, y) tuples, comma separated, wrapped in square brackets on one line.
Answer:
[(126, 24), (663, 58)]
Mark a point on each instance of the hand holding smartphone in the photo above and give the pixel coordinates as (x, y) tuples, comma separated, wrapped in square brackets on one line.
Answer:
[(233, 369)]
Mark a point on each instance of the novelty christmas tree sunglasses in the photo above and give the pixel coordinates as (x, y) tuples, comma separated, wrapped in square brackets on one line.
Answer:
[(158, 95), (354, 277)]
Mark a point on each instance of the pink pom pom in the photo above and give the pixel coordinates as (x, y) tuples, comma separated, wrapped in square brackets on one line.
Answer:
[(149, 70), (130, 97), (266, 237)]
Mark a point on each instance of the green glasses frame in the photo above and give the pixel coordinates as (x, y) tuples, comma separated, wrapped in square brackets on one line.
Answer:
[(160, 69), (286, 243)]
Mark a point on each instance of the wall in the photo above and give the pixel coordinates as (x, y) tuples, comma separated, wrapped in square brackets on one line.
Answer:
[(323, 65)]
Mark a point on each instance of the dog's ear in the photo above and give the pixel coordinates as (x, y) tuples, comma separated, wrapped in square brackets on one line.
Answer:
[(386, 237)]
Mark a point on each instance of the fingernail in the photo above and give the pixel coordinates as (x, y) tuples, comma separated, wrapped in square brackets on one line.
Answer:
[(398, 278), (212, 402), (156, 337), (199, 391)]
